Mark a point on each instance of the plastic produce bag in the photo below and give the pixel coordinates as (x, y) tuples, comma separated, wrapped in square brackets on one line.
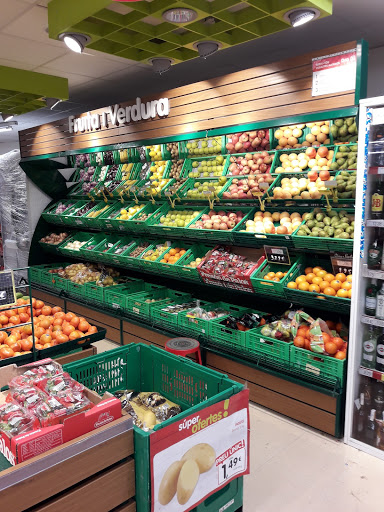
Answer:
[(316, 328)]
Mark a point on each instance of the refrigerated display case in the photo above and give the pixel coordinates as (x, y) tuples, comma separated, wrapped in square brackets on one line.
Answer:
[(364, 428)]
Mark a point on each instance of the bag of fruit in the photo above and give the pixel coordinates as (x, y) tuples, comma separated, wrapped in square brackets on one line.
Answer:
[(316, 330)]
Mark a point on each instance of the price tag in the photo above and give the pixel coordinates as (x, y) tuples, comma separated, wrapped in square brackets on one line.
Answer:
[(233, 465), (142, 153), (341, 263), (7, 288), (257, 194), (207, 192), (330, 184), (279, 255), (263, 186), (365, 371), (212, 189), (168, 193)]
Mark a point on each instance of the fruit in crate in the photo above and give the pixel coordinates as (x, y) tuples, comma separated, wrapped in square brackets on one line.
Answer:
[(143, 217), (251, 163), (127, 171), (127, 186), (128, 214), (300, 188), (287, 137), (153, 254), (195, 263), (244, 323), (218, 220), (257, 140), (155, 152), (344, 130), (319, 280), (346, 158), (330, 224), (87, 173), (54, 239), (153, 188), (84, 209), (157, 170), (173, 148), (245, 188), (222, 263), (319, 133), (173, 255), (138, 250), (280, 223), (203, 189), (61, 208), (346, 184), (207, 146), (275, 276), (178, 218), (75, 245), (316, 160), (176, 168), (207, 168), (79, 273), (112, 173), (96, 213)]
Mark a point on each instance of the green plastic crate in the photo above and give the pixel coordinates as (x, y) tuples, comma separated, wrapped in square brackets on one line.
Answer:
[(345, 200), (126, 225), (93, 222), (153, 265), (198, 327), (277, 162), (140, 226), (229, 498), (101, 251), (321, 366), (190, 184), (60, 283), (192, 274), (68, 218), (171, 269), (108, 223), (81, 237), (313, 299), (211, 146), (86, 251), (269, 349), (268, 196), (167, 319), (156, 228), (228, 337), (133, 262), (274, 142), (53, 248), (57, 218), (192, 165), (229, 137), (323, 243), (35, 272), (96, 294), (76, 290), (268, 287), (254, 200), (243, 155), (116, 297), (113, 257), (142, 367), (136, 304)]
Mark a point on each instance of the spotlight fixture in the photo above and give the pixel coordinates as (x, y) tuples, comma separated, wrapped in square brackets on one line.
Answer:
[(52, 102), (179, 15), (7, 117), (75, 42), (206, 48), (297, 17), (161, 64)]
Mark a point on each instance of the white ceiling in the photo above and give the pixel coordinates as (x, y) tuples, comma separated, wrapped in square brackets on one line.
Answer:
[(97, 79)]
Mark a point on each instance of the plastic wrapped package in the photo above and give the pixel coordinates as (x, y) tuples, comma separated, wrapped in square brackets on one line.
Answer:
[(14, 211), (15, 420)]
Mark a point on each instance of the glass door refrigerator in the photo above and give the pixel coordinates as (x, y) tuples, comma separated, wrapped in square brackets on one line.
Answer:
[(364, 426)]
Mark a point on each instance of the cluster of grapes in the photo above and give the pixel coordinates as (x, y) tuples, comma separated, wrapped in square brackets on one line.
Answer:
[(62, 207)]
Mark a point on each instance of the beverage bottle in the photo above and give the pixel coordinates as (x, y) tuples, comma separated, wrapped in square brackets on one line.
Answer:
[(371, 430), (377, 200), (361, 419), (380, 303), (380, 352), (370, 298), (367, 390), (378, 401), (380, 434), (368, 357), (375, 252)]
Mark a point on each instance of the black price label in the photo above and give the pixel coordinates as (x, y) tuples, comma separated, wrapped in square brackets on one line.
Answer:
[(7, 288), (341, 263), (279, 255)]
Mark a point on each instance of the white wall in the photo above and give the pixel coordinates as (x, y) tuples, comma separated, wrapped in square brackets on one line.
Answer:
[(7, 146), (376, 72)]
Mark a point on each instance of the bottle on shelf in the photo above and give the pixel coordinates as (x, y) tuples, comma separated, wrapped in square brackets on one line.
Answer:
[(370, 298), (378, 400), (361, 419), (380, 303), (380, 352), (375, 251), (377, 200), (371, 429), (368, 357), (366, 388), (380, 433)]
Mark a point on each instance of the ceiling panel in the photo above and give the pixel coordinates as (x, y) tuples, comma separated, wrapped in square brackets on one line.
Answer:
[(10, 10), (20, 50)]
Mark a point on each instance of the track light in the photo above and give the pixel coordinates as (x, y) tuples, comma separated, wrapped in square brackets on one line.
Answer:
[(180, 15), (52, 102), (297, 17), (161, 65), (206, 48), (75, 42)]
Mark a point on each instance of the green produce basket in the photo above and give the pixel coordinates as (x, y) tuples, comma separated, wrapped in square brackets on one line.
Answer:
[(166, 154), (190, 273), (54, 248), (101, 251), (76, 192), (60, 283), (95, 294), (93, 222), (229, 138), (254, 200), (277, 162), (115, 297), (268, 349), (130, 261), (68, 217), (168, 319), (131, 174), (87, 250), (136, 303), (142, 367), (306, 130), (156, 228), (193, 165), (323, 243), (107, 220), (125, 225), (198, 327), (45, 277), (140, 226), (57, 218), (224, 336), (236, 155), (153, 265), (313, 299), (268, 196), (268, 287), (341, 196), (35, 272), (210, 195), (322, 366), (168, 268), (340, 152), (78, 237), (115, 253), (219, 235), (76, 290), (206, 146)]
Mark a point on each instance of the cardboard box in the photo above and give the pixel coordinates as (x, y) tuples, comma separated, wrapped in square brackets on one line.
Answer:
[(26, 445)]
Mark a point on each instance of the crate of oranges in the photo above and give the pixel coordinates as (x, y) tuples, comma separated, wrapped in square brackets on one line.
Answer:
[(172, 257), (271, 278), (310, 285)]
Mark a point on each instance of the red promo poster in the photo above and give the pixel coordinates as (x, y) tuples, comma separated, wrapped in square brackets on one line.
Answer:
[(198, 455), (334, 73)]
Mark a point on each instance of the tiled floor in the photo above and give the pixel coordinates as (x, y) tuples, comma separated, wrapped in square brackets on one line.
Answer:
[(296, 469)]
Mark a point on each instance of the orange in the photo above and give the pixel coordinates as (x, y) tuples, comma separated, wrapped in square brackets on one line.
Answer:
[(323, 285), (301, 279), (292, 285), (329, 291), (342, 293), (314, 288), (317, 280), (330, 348), (350, 294), (166, 257), (308, 270), (341, 277), (299, 341), (329, 277), (346, 285), (316, 270), (304, 286), (310, 277), (271, 274), (163, 261), (172, 252), (280, 275), (321, 273), (349, 279), (336, 285), (340, 355)]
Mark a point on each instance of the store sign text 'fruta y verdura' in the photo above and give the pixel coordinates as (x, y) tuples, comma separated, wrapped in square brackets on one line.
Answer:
[(117, 116)]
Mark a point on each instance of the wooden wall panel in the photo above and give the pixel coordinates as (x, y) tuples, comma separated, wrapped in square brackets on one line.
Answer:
[(258, 94)]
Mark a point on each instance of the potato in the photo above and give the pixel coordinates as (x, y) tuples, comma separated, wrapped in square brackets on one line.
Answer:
[(168, 484), (203, 454), (188, 478)]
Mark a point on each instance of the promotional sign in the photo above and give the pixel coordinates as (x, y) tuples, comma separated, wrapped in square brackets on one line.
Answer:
[(279, 255), (334, 73), (7, 288), (198, 455)]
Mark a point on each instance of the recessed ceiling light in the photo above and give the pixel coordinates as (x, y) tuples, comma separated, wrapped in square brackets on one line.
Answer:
[(207, 48), (75, 42), (180, 15), (161, 64), (297, 17)]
